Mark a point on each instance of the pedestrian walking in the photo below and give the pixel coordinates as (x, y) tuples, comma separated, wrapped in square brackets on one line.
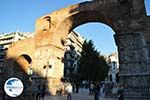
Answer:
[(38, 92), (43, 91), (69, 91), (91, 88), (3, 94), (77, 87), (102, 90), (121, 93), (96, 91)]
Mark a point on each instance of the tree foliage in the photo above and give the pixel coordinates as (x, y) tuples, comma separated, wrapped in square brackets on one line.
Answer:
[(92, 65)]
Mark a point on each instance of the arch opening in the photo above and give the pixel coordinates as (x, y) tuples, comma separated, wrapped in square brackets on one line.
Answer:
[(101, 34), (23, 62), (102, 40), (27, 58), (82, 18), (147, 7)]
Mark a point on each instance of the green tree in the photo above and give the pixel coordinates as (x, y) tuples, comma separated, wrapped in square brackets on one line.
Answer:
[(92, 65)]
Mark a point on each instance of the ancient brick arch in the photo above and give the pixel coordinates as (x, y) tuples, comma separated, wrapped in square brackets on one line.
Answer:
[(78, 19), (24, 61), (21, 67), (120, 15), (126, 17)]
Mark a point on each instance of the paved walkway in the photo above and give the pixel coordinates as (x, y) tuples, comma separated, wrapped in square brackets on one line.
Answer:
[(82, 95)]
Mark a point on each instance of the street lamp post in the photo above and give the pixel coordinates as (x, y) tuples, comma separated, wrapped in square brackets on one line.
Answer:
[(50, 63), (47, 68), (30, 72)]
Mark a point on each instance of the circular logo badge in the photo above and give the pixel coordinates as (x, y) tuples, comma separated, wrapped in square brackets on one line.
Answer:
[(13, 87)]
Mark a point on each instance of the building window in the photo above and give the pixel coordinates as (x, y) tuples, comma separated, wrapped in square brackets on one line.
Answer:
[(67, 55), (110, 77), (46, 23), (1, 64), (114, 64), (67, 72), (1, 57), (68, 64)]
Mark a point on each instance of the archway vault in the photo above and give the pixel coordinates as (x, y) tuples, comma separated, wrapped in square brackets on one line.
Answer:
[(123, 16), (80, 18)]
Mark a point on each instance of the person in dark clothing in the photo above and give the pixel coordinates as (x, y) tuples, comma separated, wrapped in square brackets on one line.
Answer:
[(77, 87), (3, 94), (91, 88), (43, 89), (96, 91), (38, 94), (121, 94)]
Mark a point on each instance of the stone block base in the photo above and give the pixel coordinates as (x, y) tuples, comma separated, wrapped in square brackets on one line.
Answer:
[(137, 94)]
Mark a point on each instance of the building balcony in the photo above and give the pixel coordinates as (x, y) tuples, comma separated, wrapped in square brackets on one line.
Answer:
[(2, 53), (1, 60), (6, 42)]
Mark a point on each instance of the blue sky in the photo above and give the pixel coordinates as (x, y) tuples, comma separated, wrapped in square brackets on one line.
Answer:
[(21, 15)]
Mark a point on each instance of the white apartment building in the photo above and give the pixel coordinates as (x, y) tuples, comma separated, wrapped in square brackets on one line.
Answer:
[(8, 38), (73, 46), (113, 62)]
